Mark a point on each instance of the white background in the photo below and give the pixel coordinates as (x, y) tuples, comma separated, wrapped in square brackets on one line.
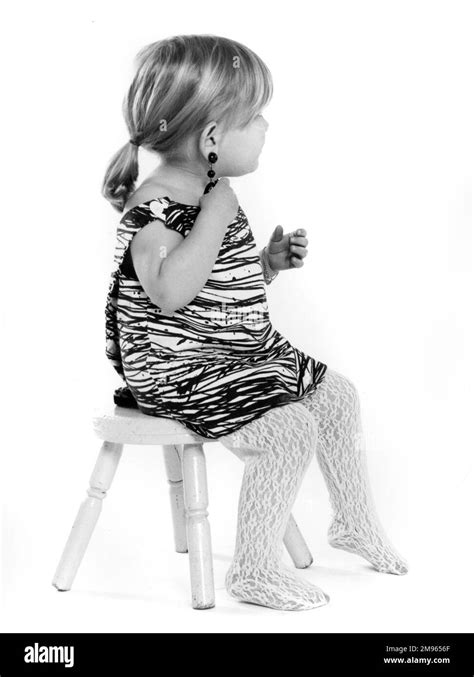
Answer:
[(369, 148)]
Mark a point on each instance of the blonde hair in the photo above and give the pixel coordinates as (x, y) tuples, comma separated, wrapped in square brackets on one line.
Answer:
[(181, 83)]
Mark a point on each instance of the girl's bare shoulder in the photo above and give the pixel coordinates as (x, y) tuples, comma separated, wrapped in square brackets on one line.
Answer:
[(147, 191)]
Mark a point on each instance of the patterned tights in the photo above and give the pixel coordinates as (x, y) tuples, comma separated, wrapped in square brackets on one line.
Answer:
[(277, 449)]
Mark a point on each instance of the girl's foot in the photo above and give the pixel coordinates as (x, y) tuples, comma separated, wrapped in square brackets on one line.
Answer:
[(370, 542), (273, 587)]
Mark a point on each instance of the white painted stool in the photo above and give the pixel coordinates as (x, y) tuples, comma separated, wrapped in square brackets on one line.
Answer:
[(186, 469)]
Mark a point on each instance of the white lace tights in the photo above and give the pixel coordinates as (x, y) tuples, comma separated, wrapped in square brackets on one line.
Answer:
[(277, 449)]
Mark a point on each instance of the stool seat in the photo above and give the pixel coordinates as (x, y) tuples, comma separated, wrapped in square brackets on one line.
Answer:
[(125, 425), (185, 466)]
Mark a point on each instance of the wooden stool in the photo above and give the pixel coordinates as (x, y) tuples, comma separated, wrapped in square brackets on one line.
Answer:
[(186, 469)]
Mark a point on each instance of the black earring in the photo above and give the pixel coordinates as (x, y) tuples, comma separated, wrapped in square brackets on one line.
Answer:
[(212, 157)]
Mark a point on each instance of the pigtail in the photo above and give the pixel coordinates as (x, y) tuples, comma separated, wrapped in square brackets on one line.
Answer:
[(121, 175)]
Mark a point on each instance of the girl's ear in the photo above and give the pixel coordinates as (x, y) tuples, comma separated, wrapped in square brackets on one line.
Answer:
[(208, 139)]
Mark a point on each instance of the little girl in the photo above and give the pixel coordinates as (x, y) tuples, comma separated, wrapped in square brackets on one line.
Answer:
[(187, 323)]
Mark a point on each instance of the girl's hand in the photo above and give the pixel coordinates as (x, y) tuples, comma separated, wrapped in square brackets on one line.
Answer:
[(220, 201), (287, 251)]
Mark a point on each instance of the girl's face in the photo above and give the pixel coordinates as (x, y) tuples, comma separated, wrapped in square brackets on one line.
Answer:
[(239, 149)]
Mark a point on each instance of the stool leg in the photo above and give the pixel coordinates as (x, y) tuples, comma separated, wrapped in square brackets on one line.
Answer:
[(174, 471), (296, 545), (197, 526), (87, 516)]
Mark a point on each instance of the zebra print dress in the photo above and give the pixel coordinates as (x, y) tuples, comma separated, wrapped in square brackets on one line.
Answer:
[(216, 363)]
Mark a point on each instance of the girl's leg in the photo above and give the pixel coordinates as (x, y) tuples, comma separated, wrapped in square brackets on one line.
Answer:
[(277, 449), (340, 451)]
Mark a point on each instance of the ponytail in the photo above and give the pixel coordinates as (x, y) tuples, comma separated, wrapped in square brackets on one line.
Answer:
[(121, 175)]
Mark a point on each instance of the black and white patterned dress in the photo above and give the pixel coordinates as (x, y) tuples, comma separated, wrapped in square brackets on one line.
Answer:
[(216, 363)]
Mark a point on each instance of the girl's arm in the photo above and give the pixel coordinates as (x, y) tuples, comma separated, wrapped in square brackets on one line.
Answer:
[(173, 270)]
